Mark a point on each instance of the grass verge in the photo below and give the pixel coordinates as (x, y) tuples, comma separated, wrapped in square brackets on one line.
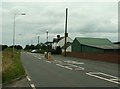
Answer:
[(11, 66)]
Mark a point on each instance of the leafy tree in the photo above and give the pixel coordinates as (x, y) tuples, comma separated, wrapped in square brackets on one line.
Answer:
[(4, 47)]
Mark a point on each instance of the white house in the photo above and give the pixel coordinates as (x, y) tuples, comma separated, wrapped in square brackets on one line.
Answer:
[(61, 42)]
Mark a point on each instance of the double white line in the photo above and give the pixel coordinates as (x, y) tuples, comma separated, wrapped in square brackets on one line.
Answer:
[(113, 79)]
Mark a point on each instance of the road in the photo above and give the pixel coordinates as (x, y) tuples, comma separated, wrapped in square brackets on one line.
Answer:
[(68, 72)]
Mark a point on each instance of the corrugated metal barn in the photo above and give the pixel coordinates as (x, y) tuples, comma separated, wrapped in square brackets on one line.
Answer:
[(92, 45)]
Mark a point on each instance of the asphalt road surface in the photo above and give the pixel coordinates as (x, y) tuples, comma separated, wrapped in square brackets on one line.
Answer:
[(69, 72)]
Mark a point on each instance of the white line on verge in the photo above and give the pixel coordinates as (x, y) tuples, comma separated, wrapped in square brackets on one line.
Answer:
[(28, 78), (33, 86)]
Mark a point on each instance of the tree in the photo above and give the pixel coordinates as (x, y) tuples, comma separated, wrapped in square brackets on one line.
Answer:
[(27, 47), (4, 47)]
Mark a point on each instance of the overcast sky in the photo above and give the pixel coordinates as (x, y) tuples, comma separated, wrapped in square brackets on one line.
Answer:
[(85, 19)]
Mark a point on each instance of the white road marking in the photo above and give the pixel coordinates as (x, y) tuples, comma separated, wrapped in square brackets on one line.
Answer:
[(48, 61), (39, 58), (74, 62), (28, 78), (80, 68), (115, 79), (107, 75), (68, 68), (77, 67), (60, 65), (97, 76), (33, 86), (73, 65)]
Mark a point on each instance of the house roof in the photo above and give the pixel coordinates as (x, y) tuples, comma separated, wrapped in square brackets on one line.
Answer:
[(57, 40), (102, 43)]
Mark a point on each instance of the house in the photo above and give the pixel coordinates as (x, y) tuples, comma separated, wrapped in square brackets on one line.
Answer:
[(92, 45), (60, 42), (68, 46)]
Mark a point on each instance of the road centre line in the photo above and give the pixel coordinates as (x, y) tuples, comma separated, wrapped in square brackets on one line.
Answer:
[(97, 76)]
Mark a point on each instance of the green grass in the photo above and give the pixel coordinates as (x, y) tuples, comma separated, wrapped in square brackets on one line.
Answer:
[(11, 65)]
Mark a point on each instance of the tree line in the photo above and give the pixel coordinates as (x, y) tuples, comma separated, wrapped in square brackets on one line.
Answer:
[(42, 47), (3, 47)]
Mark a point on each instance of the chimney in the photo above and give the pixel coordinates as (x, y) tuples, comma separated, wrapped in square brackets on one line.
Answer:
[(58, 36)]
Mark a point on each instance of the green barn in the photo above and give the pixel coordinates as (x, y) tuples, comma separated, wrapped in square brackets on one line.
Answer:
[(92, 45)]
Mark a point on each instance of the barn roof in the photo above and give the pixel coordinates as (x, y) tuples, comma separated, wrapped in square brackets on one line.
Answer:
[(102, 43)]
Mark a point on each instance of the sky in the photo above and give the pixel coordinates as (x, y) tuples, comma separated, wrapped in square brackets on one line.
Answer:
[(95, 18)]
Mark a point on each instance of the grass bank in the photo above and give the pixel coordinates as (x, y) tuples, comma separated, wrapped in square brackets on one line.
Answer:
[(11, 65)]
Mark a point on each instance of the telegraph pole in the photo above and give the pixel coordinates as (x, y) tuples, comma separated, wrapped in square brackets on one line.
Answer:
[(47, 43), (38, 46), (38, 39), (66, 34)]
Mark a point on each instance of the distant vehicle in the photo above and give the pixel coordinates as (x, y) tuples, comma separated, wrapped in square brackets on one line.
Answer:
[(33, 51)]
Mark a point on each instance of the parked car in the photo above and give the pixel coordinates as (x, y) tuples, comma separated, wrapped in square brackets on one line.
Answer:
[(33, 51)]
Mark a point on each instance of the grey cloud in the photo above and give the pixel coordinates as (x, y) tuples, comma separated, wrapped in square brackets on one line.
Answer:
[(84, 19)]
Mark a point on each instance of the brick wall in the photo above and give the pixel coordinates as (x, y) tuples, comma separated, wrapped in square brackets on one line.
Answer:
[(108, 57)]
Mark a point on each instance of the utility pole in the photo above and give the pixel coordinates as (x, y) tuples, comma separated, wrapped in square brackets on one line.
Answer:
[(66, 34), (38, 39), (47, 43), (38, 44)]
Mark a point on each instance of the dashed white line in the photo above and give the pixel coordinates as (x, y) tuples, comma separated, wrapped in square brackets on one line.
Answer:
[(33, 86), (28, 78)]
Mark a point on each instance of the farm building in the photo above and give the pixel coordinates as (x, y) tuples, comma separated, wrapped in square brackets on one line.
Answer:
[(92, 45)]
